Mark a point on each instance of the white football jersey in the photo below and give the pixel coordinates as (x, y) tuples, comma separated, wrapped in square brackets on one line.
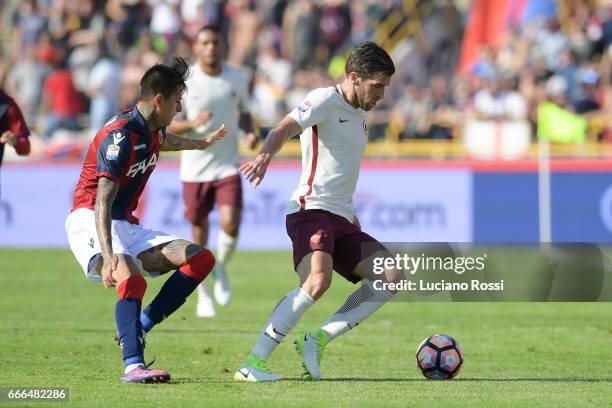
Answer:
[(225, 95), (333, 140)]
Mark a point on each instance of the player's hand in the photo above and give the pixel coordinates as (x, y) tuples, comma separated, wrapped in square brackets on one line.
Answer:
[(9, 138), (255, 170), (251, 140), (214, 137), (109, 266), (201, 119)]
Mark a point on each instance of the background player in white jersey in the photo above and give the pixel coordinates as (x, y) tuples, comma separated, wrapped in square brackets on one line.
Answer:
[(325, 233), (217, 93)]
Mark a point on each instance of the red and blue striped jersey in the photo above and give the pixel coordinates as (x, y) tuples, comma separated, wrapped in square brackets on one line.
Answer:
[(125, 151)]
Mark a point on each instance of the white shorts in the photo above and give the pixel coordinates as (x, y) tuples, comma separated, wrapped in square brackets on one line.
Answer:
[(128, 239)]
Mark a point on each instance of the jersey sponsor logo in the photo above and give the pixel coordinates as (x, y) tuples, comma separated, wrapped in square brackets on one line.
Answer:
[(304, 106), (142, 166), (343, 120), (118, 137), (140, 146), (112, 153)]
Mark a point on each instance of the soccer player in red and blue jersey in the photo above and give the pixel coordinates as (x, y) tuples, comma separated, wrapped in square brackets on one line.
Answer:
[(13, 129), (105, 236)]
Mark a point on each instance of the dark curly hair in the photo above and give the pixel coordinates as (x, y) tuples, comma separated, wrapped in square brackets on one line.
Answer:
[(369, 59), (164, 79)]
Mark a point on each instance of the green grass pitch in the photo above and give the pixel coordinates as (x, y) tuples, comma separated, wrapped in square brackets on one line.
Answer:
[(56, 331)]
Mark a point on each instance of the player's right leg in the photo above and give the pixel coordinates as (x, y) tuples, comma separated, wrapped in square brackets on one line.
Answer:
[(315, 271)]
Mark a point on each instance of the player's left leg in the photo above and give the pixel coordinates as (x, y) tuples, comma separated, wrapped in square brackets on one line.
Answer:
[(228, 196), (194, 263), (353, 265), (226, 245)]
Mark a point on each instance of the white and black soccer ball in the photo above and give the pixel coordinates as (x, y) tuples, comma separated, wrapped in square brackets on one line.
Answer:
[(439, 357)]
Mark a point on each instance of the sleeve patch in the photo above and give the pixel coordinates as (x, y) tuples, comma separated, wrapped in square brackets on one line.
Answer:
[(117, 138), (112, 153), (305, 106)]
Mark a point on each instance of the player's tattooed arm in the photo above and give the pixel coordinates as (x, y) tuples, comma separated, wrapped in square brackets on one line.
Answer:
[(107, 191), (255, 170), (174, 142)]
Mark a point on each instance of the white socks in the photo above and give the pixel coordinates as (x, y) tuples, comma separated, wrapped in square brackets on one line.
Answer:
[(226, 244), (357, 307), (205, 307), (285, 316)]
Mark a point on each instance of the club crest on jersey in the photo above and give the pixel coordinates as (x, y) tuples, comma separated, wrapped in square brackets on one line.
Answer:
[(305, 106), (112, 153), (142, 166), (365, 128), (118, 137)]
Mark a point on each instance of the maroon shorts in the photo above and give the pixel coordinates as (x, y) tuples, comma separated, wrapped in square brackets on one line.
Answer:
[(200, 198), (320, 230)]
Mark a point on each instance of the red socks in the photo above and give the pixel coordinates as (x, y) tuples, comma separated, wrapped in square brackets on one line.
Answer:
[(199, 265)]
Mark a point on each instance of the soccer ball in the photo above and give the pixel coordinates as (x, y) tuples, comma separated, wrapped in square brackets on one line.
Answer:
[(439, 357)]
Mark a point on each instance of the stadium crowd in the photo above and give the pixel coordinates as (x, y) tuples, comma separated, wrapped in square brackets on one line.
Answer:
[(72, 64)]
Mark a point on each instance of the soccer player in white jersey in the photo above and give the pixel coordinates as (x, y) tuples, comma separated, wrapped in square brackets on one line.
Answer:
[(325, 233), (217, 93)]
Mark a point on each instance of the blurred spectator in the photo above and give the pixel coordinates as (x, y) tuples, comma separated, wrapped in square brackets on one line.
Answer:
[(165, 23), (245, 25), (60, 99), (132, 71), (127, 18), (30, 22), (267, 102), (550, 42), (440, 107), (335, 25), (104, 88), (587, 100), (25, 80), (500, 100), (276, 68), (301, 33)]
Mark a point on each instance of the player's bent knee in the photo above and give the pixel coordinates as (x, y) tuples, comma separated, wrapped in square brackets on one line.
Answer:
[(317, 284), (133, 287), (199, 265)]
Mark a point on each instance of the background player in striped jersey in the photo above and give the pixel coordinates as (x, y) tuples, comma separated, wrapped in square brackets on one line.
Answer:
[(325, 233), (106, 237), (217, 94)]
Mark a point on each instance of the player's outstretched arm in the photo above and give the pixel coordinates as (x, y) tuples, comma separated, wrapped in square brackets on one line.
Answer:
[(255, 170), (174, 142), (107, 191)]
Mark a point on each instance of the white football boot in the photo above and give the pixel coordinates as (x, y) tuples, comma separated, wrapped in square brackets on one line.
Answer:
[(254, 370)]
